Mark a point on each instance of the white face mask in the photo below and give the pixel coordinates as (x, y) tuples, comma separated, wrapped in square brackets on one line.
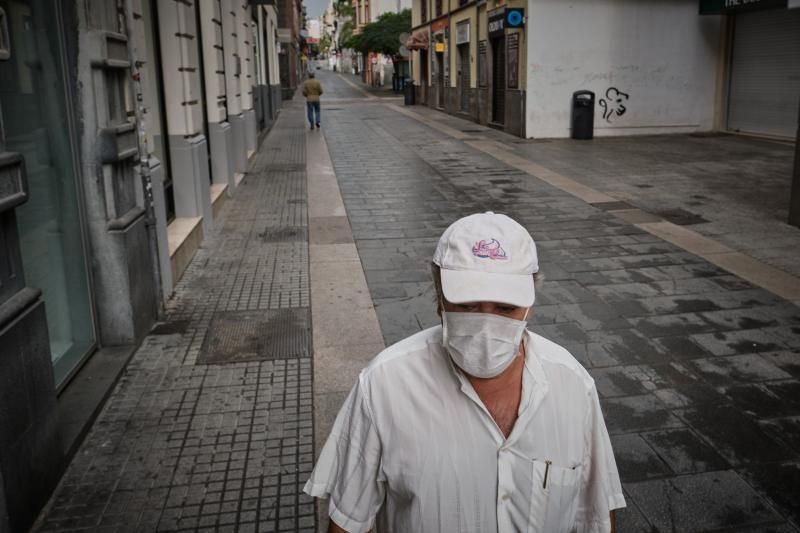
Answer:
[(482, 344)]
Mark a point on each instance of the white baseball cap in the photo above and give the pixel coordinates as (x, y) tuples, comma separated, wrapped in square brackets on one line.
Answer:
[(487, 257)]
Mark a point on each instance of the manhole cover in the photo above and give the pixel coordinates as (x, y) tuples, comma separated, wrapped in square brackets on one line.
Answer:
[(237, 336), (171, 327)]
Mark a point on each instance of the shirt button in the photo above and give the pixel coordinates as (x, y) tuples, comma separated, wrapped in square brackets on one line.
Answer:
[(504, 497)]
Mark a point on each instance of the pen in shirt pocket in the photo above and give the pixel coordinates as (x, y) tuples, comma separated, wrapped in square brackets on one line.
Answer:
[(546, 472)]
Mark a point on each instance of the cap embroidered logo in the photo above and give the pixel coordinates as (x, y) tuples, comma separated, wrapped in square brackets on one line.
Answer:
[(490, 249)]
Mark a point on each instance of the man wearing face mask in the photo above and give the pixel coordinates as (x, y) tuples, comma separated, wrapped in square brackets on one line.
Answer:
[(478, 424)]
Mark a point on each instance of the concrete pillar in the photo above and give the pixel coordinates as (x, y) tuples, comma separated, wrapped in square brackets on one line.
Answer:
[(220, 135), (188, 145), (247, 77), (233, 67)]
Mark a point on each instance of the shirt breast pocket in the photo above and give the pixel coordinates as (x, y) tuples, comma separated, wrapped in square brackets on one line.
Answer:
[(554, 497)]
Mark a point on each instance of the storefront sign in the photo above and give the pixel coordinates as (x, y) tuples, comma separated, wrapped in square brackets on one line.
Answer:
[(717, 7), (515, 17), (439, 25), (512, 60), (496, 25), (462, 32)]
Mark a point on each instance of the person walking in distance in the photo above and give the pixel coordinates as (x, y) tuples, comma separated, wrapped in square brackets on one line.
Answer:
[(478, 424), (312, 90)]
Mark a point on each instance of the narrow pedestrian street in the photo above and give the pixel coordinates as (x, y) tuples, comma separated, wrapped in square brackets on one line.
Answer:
[(669, 275)]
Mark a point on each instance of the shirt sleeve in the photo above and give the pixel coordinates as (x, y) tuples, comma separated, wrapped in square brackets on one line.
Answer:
[(349, 468), (601, 490)]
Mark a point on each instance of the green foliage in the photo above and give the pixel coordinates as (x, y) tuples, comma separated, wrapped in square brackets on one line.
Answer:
[(325, 43), (344, 9), (383, 35)]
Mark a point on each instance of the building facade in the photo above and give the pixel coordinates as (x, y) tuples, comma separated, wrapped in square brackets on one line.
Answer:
[(654, 67), (124, 125), (290, 54)]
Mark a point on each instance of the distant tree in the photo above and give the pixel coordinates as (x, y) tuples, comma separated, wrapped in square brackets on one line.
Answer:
[(325, 43), (344, 13), (383, 35)]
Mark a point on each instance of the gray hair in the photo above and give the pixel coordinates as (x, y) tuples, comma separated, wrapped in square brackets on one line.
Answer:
[(436, 274)]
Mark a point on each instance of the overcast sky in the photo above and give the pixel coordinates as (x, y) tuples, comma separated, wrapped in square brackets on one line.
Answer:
[(314, 8)]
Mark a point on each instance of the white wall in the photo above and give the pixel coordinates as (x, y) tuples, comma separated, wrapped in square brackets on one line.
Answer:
[(214, 62), (273, 45), (231, 51), (661, 54), (180, 62), (244, 34)]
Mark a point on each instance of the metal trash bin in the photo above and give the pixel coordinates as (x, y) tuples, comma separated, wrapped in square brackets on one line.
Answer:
[(409, 92), (582, 115)]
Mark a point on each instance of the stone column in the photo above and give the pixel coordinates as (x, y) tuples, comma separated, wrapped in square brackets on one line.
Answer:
[(188, 146), (247, 77), (231, 11), (123, 276), (220, 134)]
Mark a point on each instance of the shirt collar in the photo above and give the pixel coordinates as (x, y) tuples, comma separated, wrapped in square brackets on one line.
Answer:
[(534, 383)]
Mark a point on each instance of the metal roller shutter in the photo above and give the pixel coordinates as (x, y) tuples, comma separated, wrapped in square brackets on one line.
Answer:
[(765, 73)]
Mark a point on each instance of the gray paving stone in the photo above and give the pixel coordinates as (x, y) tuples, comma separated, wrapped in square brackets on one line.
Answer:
[(701, 502), (636, 460), (637, 413), (684, 451)]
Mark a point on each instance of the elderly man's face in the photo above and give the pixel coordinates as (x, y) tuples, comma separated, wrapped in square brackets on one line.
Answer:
[(492, 308)]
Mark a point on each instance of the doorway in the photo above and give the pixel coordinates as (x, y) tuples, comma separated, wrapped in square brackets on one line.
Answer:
[(499, 80), (463, 77), (423, 90), (440, 80)]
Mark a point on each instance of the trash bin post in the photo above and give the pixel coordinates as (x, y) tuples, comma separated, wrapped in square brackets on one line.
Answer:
[(582, 115), (409, 92)]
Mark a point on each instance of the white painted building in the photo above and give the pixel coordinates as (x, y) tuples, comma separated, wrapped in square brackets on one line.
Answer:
[(664, 67), (652, 65)]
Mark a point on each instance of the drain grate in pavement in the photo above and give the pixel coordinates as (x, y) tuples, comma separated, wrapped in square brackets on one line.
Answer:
[(238, 336), (171, 327), (284, 167), (680, 217), (284, 234), (613, 206)]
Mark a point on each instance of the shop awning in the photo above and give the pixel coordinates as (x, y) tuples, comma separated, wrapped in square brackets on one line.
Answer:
[(419, 40)]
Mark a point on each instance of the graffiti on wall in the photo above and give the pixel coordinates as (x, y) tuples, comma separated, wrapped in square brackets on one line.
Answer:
[(614, 103)]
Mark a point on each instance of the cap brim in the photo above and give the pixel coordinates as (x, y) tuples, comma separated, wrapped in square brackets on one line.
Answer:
[(462, 286)]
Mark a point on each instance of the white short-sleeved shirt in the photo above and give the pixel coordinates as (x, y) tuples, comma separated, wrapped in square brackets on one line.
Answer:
[(414, 449)]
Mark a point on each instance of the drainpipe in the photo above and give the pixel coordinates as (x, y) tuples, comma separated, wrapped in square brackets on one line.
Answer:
[(144, 161)]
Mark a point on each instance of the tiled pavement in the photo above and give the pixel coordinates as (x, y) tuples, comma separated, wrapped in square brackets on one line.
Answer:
[(183, 445), (697, 369), (731, 188)]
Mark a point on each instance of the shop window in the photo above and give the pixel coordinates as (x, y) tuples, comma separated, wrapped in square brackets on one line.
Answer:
[(423, 9), (438, 8), (36, 122)]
